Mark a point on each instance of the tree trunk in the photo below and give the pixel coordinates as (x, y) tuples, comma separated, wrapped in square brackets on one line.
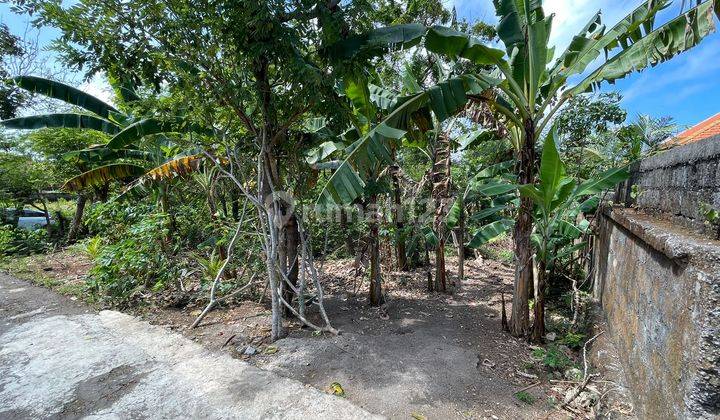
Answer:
[(538, 331), (441, 197), (399, 217), (519, 318), (376, 296), (292, 240), (461, 249), (349, 244), (77, 218)]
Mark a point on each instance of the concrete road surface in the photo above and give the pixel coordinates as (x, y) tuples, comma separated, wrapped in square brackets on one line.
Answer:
[(61, 360)]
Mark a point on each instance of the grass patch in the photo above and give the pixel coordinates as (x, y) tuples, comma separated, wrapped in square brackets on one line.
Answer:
[(525, 397)]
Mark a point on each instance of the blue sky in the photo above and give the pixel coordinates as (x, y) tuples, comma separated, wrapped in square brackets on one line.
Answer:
[(686, 88)]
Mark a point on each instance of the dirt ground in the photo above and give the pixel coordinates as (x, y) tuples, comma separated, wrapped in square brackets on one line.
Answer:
[(422, 355)]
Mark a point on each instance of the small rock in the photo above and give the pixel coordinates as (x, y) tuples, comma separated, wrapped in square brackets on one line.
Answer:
[(250, 350), (551, 336)]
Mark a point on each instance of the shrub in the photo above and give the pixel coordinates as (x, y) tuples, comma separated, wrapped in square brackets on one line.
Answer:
[(573, 340), (553, 358), (136, 261), (14, 241)]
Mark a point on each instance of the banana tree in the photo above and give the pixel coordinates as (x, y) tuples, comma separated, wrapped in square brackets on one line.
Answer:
[(557, 201), (492, 191), (533, 88), (97, 115)]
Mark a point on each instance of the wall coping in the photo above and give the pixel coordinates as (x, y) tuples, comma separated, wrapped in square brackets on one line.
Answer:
[(675, 242), (706, 149)]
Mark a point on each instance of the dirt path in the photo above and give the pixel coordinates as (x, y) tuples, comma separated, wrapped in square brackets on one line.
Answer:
[(60, 360), (434, 356)]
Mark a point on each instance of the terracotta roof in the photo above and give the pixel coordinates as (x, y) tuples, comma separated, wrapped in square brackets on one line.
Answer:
[(707, 128)]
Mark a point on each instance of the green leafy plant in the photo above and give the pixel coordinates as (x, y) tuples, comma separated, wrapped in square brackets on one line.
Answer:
[(553, 358), (557, 198), (93, 247), (573, 340), (711, 216), (525, 397), (16, 241)]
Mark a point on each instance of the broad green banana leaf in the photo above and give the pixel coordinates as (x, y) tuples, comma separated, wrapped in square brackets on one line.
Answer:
[(376, 42), (322, 151), (62, 121), (490, 231), (373, 148), (102, 175), (65, 93), (104, 154), (494, 170), (660, 45), (603, 181), (453, 216), (593, 39), (138, 130), (474, 137), (552, 169), (384, 99), (485, 213)]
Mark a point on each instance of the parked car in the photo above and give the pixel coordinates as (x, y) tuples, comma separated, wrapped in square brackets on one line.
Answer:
[(26, 218)]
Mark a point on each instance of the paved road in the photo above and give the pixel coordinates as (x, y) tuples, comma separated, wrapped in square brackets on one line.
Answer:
[(61, 360)]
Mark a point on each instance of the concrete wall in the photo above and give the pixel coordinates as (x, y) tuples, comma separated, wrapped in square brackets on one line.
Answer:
[(675, 182), (657, 278)]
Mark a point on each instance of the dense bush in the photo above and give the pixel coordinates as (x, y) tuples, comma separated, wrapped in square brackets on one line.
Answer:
[(134, 254), (14, 241)]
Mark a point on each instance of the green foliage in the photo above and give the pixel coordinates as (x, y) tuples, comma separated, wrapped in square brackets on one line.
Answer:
[(573, 340), (525, 397), (557, 199), (553, 358), (210, 265), (19, 242), (709, 213), (93, 247), (581, 125), (135, 260)]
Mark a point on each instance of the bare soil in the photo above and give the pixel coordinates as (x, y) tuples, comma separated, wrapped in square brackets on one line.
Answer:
[(421, 355)]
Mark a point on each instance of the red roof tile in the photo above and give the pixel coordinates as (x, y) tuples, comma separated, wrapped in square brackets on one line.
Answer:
[(706, 129)]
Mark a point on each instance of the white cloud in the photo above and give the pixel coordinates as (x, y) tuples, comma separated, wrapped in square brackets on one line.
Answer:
[(572, 15)]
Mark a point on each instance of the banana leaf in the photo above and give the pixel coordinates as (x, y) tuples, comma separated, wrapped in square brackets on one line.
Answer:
[(65, 93), (102, 175), (67, 120)]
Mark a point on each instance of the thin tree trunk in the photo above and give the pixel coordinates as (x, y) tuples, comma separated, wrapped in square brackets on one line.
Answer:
[(47, 213), (538, 331), (77, 218), (376, 296), (292, 240), (349, 244), (441, 197), (399, 217), (519, 319), (461, 248)]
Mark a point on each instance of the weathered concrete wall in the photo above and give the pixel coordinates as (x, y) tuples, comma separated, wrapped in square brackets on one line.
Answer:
[(657, 278), (675, 182)]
